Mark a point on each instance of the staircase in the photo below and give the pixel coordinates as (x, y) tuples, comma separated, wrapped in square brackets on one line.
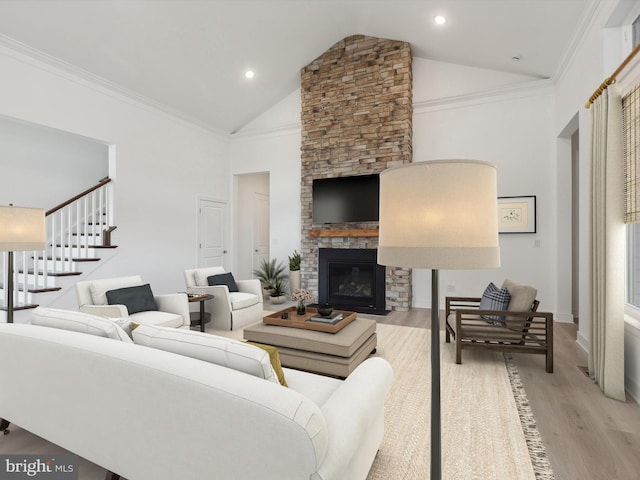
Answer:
[(78, 241)]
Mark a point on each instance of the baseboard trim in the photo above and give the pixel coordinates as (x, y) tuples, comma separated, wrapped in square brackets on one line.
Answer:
[(633, 388), (583, 342), (563, 317)]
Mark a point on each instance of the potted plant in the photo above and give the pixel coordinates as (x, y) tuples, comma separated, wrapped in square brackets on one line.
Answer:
[(294, 270), (268, 273), (278, 291)]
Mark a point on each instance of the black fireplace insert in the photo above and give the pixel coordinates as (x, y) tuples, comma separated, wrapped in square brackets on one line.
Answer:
[(351, 279)]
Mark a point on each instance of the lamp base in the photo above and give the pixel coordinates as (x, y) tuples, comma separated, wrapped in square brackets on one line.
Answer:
[(9, 290), (436, 456)]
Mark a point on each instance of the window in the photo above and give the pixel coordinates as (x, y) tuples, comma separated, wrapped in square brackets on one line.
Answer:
[(635, 31), (631, 129), (633, 264)]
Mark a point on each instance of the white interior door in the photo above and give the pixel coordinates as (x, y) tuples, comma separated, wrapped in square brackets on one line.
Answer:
[(260, 229), (212, 233)]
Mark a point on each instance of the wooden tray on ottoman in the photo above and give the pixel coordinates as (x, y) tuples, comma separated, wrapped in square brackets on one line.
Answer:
[(301, 321)]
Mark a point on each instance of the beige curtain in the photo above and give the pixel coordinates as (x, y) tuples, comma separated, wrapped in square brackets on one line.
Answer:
[(606, 355)]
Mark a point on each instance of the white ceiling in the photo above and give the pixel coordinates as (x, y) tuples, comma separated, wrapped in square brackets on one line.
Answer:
[(189, 56)]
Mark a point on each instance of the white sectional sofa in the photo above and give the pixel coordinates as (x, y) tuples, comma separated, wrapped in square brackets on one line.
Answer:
[(144, 413)]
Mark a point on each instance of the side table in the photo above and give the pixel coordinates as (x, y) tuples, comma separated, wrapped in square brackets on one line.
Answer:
[(204, 317)]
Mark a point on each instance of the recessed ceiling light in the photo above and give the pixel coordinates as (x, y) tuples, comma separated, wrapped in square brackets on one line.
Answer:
[(440, 19), (249, 74)]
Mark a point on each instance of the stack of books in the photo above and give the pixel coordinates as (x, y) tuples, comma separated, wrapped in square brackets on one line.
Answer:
[(332, 319)]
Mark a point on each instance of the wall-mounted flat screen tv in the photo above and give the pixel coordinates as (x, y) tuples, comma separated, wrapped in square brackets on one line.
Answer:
[(346, 199)]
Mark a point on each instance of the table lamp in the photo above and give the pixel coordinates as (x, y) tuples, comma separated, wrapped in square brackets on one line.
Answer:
[(439, 214), (21, 229)]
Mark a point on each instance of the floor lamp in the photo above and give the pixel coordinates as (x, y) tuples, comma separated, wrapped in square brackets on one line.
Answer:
[(21, 229), (439, 214)]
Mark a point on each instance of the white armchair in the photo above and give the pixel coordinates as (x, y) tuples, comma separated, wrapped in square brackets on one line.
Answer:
[(173, 308), (228, 310)]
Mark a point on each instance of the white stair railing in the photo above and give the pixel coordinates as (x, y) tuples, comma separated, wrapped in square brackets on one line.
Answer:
[(72, 229)]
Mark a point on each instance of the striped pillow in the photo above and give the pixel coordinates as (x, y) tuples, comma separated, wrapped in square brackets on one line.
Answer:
[(495, 298)]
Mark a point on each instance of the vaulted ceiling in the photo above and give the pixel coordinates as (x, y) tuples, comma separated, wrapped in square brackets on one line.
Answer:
[(190, 56)]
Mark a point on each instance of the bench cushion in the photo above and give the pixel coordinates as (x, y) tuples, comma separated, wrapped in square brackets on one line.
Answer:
[(476, 328)]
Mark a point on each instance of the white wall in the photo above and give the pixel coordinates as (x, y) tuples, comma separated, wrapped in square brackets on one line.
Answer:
[(246, 186), (582, 75), (513, 131), (162, 163), (511, 126), (274, 147), (449, 80), (66, 164), (632, 358)]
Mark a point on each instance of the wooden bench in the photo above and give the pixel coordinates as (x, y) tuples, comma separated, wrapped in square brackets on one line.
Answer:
[(522, 332)]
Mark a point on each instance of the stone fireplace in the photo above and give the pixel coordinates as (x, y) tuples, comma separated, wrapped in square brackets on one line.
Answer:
[(356, 119)]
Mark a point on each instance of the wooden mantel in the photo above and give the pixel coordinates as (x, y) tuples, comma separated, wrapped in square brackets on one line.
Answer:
[(344, 232)]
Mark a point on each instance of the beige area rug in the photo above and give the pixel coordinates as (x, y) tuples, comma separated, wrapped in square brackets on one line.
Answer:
[(482, 437), (482, 420)]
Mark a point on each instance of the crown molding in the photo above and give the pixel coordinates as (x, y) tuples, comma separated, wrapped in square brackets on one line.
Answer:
[(509, 92), (587, 22), (280, 131)]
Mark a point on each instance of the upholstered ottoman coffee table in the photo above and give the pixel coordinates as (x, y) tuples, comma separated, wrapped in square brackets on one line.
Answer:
[(336, 354)]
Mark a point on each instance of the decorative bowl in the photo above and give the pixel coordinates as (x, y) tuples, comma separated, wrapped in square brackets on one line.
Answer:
[(325, 309)]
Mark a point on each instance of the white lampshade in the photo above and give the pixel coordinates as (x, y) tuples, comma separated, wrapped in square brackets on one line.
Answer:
[(22, 229), (440, 214)]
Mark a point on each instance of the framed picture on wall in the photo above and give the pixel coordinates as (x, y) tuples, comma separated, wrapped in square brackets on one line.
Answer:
[(517, 214)]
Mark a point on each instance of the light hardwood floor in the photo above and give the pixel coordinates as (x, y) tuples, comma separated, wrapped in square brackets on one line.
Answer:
[(587, 436)]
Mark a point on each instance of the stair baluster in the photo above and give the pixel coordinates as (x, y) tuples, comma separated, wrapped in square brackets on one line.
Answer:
[(73, 229)]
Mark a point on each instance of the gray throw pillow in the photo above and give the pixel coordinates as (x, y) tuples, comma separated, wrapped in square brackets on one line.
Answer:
[(495, 298), (223, 279), (136, 299)]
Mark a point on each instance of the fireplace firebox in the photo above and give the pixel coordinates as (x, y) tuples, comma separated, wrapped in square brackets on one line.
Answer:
[(351, 279)]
